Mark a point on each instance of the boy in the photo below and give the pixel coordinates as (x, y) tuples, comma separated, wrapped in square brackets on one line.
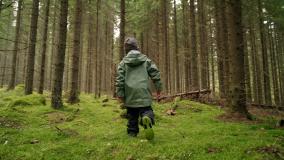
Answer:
[(133, 88)]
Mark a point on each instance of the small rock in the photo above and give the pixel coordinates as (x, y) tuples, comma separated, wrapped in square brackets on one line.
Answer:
[(34, 141), (171, 112), (130, 157), (6, 142), (105, 100)]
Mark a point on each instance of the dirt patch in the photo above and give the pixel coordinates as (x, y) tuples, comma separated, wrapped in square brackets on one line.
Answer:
[(67, 132), (8, 123), (256, 116), (213, 150), (272, 151), (171, 112), (56, 117), (195, 109), (266, 112), (236, 117)]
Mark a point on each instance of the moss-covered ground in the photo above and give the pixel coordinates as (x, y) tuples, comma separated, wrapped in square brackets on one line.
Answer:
[(31, 129)]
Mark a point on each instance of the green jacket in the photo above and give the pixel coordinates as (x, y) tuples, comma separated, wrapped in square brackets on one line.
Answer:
[(132, 81)]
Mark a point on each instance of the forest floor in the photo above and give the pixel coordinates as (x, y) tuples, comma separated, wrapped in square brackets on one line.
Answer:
[(31, 129)]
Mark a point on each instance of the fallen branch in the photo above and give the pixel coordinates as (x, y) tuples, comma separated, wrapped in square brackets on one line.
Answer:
[(60, 130), (265, 106), (190, 95)]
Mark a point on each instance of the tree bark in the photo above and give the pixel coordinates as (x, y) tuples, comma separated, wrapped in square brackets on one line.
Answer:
[(16, 43), (3, 74), (266, 73), (89, 73), (274, 68), (279, 50), (247, 68), (186, 42), (194, 57), (44, 46), (122, 29), (236, 51), (165, 45), (220, 51), (32, 47), (212, 51), (97, 60), (177, 74), (56, 97), (203, 44), (54, 44), (281, 66), (73, 97), (1, 3)]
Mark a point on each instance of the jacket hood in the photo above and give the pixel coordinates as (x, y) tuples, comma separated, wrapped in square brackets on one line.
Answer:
[(134, 58)]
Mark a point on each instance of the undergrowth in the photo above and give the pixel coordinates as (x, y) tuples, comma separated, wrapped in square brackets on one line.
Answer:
[(93, 129)]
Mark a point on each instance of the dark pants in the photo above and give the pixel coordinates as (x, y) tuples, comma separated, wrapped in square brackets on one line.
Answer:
[(133, 117)]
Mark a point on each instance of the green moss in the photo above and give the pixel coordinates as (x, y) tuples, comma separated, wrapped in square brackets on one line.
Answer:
[(7, 98), (29, 100), (95, 132), (20, 88)]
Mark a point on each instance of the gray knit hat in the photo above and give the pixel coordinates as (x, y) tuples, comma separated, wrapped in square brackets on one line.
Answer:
[(131, 41)]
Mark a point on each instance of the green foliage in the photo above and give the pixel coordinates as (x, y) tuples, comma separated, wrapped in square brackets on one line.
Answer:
[(139, 14), (90, 131), (275, 11)]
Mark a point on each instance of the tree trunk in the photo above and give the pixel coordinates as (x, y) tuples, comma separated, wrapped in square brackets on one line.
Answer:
[(203, 44), (194, 57), (281, 66), (236, 51), (56, 97), (220, 54), (247, 68), (3, 74), (1, 3), (225, 48), (278, 47), (266, 73), (212, 51), (89, 73), (97, 60), (274, 68), (186, 42), (73, 97), (54, 44), (44, 46), (15, 52), (122, 29), (32, 47), (166, 68), (177, 74)]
